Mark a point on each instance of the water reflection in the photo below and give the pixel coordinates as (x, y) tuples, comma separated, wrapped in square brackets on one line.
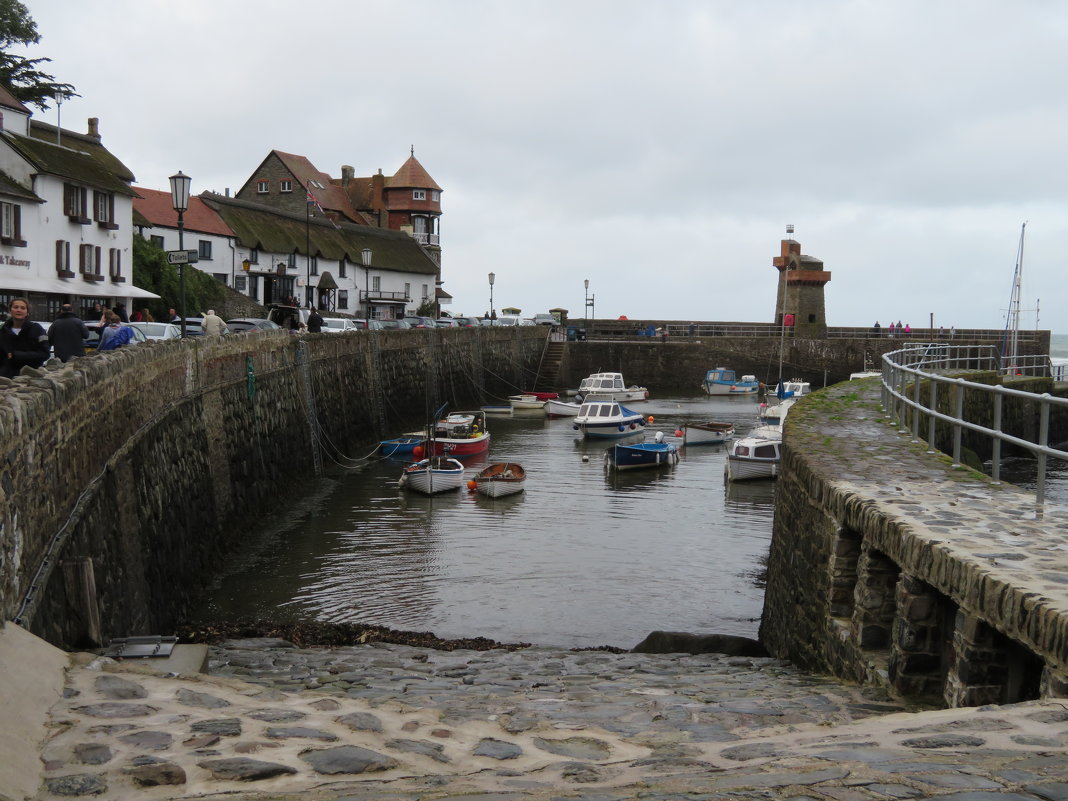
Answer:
[(581, 557)]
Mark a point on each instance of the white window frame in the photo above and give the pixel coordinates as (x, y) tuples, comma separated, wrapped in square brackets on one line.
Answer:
[(7, 221), (418, 194), (342, 298), (115, 263), (376, 283), (285, 186), (435, 195), (263, 187)]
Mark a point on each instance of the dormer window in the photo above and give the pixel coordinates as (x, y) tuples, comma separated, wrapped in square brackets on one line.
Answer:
[(74, 202), (104, 210), (263, 187), (418, 194)]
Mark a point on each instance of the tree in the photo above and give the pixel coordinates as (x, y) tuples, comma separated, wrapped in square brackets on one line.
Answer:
[(22, 76), (152, 272)]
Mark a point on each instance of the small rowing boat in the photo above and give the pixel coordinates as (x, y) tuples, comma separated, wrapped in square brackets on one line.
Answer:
[(500, 479)]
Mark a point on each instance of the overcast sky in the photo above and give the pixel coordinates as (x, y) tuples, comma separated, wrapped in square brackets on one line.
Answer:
[(658, 149)]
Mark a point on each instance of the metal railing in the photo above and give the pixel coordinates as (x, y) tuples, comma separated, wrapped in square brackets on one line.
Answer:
[(936, 368)]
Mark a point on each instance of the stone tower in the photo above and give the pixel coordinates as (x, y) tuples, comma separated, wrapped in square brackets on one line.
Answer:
[(799, 301)]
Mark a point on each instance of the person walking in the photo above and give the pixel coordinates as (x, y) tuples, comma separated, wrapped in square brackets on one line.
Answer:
[(315, 322), (68, 334), (213, 324), (23, 343), (115, 333)]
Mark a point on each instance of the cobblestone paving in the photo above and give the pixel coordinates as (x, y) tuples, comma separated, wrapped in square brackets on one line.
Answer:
[(395, 722)]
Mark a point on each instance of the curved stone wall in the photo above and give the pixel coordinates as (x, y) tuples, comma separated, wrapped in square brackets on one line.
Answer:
[(127, 476), (889, 565)]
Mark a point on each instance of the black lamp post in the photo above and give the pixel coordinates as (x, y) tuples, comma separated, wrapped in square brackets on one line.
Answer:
[(180, 202), (586, 304), (492, 278), (365, 255)]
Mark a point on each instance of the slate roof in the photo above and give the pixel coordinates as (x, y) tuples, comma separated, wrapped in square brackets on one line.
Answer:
[(155, 208), (274, 231), (9, 187), (79, 158)]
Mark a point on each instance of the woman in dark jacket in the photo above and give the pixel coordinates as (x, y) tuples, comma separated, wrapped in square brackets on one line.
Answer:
[(23, 343)]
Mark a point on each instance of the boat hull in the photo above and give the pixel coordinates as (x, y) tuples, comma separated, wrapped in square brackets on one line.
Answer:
[(709, 433), (612, 430), (755, 457), (400, 446), (433, 476), (526, 402), (461, 448), (501, 479), (737, 388), (559, 408), (641, 455)]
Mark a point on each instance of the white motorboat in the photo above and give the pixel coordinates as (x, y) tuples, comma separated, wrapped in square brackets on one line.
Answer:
[(756, 455), (607, 418), (723, 381), (707, 433), (611, 385), (561, 408), (526, 402)]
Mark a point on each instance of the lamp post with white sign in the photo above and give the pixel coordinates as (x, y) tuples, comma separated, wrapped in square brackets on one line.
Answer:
[(180, 202)]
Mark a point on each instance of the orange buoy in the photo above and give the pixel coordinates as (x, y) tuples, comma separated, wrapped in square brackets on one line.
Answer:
[(472, 484), (417, 452), (651, 419), (678, 432)]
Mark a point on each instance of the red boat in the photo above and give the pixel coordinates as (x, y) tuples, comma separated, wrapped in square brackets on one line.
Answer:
[(460, 434), (543, 396)]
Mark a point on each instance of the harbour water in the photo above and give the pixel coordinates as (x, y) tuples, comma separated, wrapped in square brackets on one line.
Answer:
[(581, 558)]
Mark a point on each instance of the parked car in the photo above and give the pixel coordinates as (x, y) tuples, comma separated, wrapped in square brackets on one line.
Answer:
[(420, 322), (335, 325), (392, 325), (158, 331), (447, 322), (467, 322), (361, 324), (94, 336), (289, 317), (507, 320), (545, 319), (239, 324)]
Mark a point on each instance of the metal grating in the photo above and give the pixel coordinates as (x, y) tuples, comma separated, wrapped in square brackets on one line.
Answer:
[(140, 647)]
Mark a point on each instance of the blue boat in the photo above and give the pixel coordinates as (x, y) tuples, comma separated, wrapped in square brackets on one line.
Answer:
[(607, 418), (721, 381), (401, 446), (641, 454)]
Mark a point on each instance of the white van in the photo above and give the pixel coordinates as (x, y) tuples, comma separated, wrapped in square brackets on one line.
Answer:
[(507, 319), (335, 325)]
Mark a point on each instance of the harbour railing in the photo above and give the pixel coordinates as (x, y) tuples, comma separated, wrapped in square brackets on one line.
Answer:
[(922, 386)]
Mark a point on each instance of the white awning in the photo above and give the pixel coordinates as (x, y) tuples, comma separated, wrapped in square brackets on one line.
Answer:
[(24, 283)]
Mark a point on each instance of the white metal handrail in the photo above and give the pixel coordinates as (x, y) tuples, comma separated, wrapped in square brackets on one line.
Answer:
[(931, 363)]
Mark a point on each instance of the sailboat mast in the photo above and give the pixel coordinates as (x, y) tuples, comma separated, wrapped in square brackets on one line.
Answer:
[(1013, 321)]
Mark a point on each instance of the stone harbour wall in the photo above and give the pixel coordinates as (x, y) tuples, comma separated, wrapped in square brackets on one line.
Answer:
[(127, 476), (889, 565)]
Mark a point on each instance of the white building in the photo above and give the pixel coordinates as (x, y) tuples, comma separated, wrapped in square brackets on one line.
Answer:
[(66, 228)]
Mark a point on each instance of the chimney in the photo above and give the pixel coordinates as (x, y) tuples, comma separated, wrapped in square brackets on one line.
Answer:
[(346, 174), (94, 128), (378, 186)]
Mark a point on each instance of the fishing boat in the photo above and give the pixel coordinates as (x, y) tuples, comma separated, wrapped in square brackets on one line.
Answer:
[(500, 479), (723, 381), (402, 445), (756, 455), (709, 432), (433, 475), (526, 402), (611, 385), (795, 387), (561, 408), (460, 435), (641, 454), (607, 418)]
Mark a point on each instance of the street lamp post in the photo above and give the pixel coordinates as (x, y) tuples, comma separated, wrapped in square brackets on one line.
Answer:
[(586, 304), (365, 255), (492, 278), (180, 203)]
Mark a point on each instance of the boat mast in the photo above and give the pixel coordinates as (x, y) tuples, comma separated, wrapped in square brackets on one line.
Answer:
[(1012, 322)]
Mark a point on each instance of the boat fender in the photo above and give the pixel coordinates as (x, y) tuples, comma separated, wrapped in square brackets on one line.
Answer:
[(633, 426), (659, 436), (575, 426), (622, 427)]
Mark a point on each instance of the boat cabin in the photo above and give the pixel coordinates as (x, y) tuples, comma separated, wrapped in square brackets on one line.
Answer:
[(595, 409), (602, 382), (458, 426)]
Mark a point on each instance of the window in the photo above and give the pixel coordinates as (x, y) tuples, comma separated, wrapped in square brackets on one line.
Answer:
[(407, 291), (240, 282), (285, 186), (89, 261), (341, 267), (74, 203), (426, 295), (222, 278), (292, 261), (263, 187), (435, 195), (418, 194), (156, 240), (376, 284), (204, 249), (253, 256), (11, 225), (313, 265), (342, 298), (115, 265), (63, 259), (104, 210)]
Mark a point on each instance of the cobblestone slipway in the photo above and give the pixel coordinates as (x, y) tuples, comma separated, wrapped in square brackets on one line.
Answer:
[(373, 721)]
